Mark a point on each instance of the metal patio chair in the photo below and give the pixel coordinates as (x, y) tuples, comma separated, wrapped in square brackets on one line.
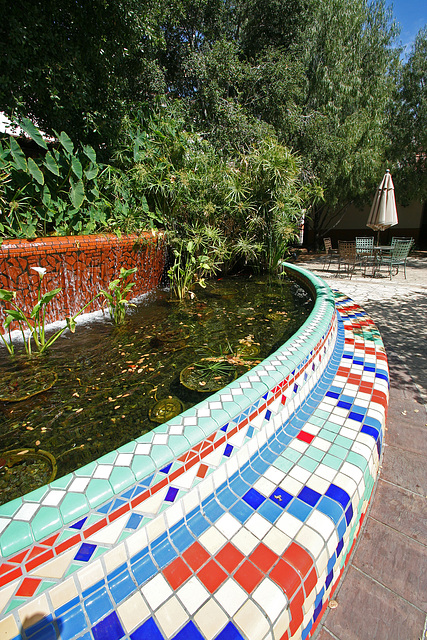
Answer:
[(348, 256), (329, 252), (398, 256), (365, 245)]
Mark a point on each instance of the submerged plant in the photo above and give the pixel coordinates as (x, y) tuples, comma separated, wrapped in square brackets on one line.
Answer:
[(116, 295), (35, 323)]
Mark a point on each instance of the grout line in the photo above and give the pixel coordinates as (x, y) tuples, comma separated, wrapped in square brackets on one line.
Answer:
[(397, 531), (399, 486), (424, 636), (381, 584)]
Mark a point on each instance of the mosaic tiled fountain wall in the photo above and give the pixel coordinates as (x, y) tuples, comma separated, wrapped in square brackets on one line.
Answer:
[(80, 265), (233, 520)]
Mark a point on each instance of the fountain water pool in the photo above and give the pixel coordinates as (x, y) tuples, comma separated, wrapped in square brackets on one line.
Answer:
[(233, 520)]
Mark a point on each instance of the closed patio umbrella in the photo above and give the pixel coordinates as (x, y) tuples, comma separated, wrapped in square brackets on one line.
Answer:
[(383, 211)]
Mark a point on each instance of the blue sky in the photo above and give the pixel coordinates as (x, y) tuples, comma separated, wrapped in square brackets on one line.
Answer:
[(411, 15)]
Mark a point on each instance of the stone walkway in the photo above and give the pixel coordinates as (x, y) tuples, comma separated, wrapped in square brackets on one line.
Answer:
[(384, 593)]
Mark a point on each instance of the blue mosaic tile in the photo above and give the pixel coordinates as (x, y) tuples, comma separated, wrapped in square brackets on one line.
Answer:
[(147, 631), (226, 497), (349, 514), (97, 605), (181, 538), (143, 569), (309, 496), (163, 553), (171, 494), (338, 494), (229, 633), (108, 629), (72, 623), (340, 546), (198, 524), (299, 509), (213, 510), (270, 511), (79, 524), (42, 630), (134, 521), (241, 511), (85, 552), (253, 498), (228, 450), (281, 498), (189, 632)]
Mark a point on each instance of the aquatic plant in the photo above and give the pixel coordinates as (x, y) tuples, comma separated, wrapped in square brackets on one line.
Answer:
[(116, 295), (35, 323)]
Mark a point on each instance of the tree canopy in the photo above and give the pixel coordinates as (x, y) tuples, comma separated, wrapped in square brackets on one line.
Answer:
[(322, 77)]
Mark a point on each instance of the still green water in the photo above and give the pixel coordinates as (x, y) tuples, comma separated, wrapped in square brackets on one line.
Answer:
[(110, 379)]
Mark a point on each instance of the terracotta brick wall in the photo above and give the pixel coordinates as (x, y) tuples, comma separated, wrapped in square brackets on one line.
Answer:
[(81, 266)]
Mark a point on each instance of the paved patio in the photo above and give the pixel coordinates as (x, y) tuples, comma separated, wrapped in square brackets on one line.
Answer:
[(384, 593)]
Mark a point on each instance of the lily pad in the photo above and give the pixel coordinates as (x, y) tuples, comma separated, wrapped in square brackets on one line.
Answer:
[(24, 470), (20, 385), (165, 409)]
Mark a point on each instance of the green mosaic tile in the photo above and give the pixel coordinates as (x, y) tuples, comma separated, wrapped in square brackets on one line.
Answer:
[(72, 569), (332, 461), (142, 466), (37, 495), (62, 483), (337, 451), (178, 444), (73, 506), (308, 463), (291, 454), (9, 509), (317, 422), (93, 518), (108, 458), (15, 603), (357, 460), (125, 534), (342, 441), (162, 428), (45, 584), (129, 447), (315, 453), (331, 426), (193, 434), (161, 455), (327, 435), (87, 470), (46, 521), (15, 537), (99, 551), (98, 491), (121, 478), (283, 464), (207, 425), (64, 535), (321, 414)]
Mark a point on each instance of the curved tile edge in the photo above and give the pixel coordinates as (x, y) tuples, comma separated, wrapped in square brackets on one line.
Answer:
[(234, 520)]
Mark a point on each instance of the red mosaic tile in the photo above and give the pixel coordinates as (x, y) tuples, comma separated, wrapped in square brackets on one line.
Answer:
[(195, 556), (203, 469), (212, 576), (177, 573), (28, 587), (19, 557), (95, 527), (5, 567), (67, 544), (263, 557), (10, 576), (296, 609), (298, 558), (248, 576), (311, 581), (40, 559), (229, 557), (286, 577), (305, 437), (35, 551)]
